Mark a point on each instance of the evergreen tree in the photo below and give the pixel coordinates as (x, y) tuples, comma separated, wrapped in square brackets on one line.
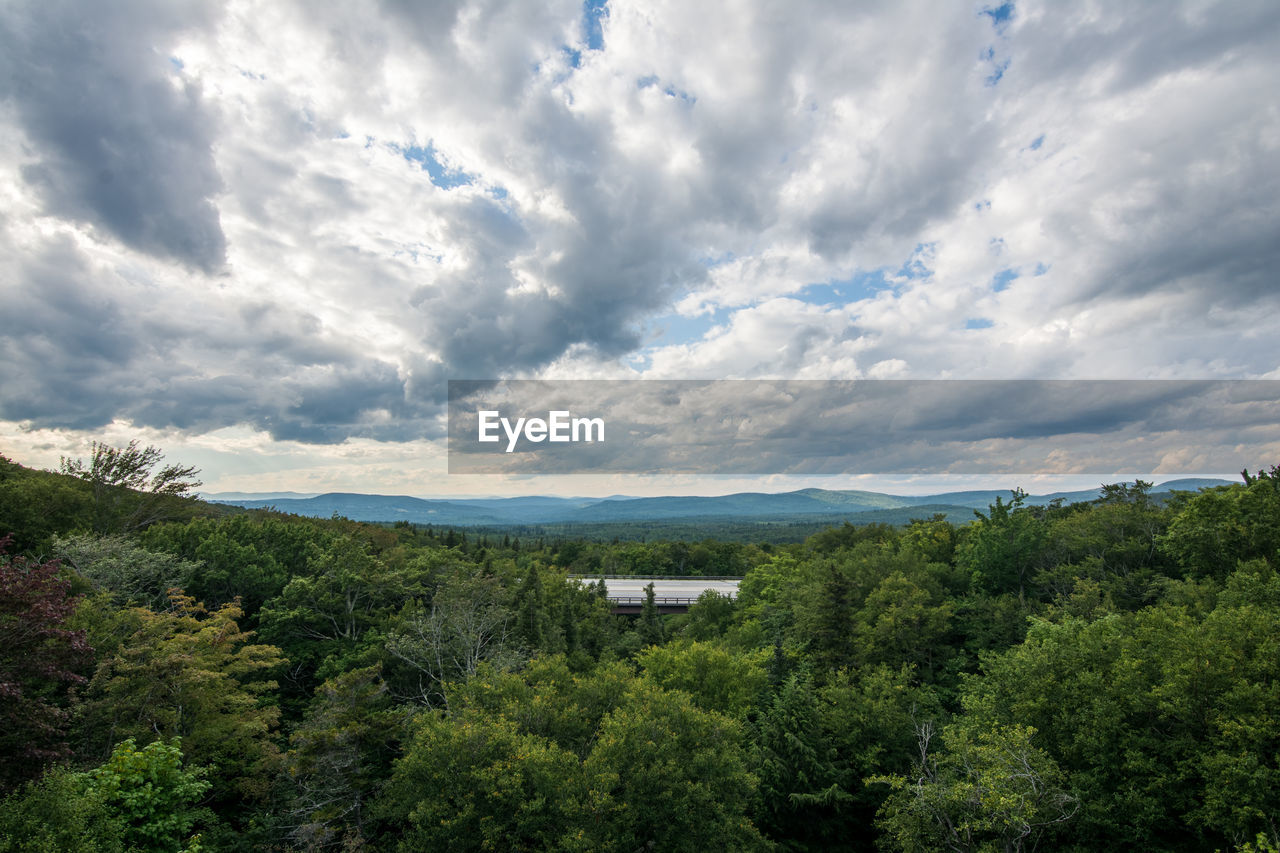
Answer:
[(531, 611), (650, 627), (800, 790)]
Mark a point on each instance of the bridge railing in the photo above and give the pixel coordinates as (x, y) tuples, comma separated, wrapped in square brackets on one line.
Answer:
[(638, 600)]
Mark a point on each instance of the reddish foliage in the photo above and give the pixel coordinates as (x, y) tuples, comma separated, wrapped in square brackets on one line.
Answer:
[(39, 659)]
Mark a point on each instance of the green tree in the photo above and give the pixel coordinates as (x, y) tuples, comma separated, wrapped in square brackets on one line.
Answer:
[(131, 573), (1214, 530), (345, 591), (710, 616), (828, 621), (154, 797), (468, 623), (1167, 716), (249, 557), (37, 505), (985, 790), (666, 775), (128, 492), (338, 612), (933, 539), (1111, 541), (532, 618), (471, 781), (869, 715), (769, 585), (801, 795), (717, 679), (137, 800), (1002, 550), (649, 626), (902, 621), (548, 699), (192, 674), (338, 757), (57, 814)]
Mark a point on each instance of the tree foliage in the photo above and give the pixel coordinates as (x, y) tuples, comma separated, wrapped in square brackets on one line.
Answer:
[(338, 755), (1098, 675), (467, 623), (191, 673), (129, 492), (40, 663), (985, 790), (151, 794)]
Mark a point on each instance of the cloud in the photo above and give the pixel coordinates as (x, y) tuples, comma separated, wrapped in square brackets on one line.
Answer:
[(120, 139), (85, 347), (257, 215)]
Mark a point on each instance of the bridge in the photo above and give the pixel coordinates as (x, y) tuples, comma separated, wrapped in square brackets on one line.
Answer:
[(671, 594)]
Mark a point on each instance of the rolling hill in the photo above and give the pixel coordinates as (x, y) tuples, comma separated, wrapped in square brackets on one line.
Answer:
[(805, 504)]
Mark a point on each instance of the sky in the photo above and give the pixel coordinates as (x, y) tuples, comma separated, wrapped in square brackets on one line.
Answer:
[(263, 236)]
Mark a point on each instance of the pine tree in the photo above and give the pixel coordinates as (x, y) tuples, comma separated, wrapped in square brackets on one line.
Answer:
[(650, 627), (531, 610)]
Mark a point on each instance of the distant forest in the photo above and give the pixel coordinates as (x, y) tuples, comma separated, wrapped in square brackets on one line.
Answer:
[(183, 676)]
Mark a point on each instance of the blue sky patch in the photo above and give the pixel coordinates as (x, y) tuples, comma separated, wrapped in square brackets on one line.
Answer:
[(997, 72), (1000, 15), (1037, 142), (672, 92), (673, 329), (915, 267), (862, 285), (593, 11), (1003, 279), (445, 179), (978, 323), (652, 80)]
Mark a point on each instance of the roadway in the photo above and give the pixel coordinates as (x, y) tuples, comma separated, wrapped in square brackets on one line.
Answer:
[(671, 595), (633, 587)]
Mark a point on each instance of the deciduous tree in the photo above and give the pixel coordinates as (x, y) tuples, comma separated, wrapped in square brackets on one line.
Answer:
[(40, 663), (128, 492), (193, 674)]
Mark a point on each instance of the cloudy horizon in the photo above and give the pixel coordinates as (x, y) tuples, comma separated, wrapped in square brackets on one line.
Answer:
[(264, 235)]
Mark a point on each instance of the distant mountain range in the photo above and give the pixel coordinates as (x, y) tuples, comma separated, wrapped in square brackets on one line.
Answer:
[(745, 506)]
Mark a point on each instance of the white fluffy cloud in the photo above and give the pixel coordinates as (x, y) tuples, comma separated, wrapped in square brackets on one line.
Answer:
[(300, 219)]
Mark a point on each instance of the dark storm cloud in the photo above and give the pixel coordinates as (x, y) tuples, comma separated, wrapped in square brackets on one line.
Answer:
[(61, 342), (118, 139), (589, 279), (82, 348), (325, 406)]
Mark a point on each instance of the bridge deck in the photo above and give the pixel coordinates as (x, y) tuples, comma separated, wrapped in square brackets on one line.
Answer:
[(671, 594)]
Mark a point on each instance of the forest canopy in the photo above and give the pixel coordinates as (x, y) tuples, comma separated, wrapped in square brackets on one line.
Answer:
[(183, 676)]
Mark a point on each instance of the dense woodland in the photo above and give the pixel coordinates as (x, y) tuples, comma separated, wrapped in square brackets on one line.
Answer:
[(178, 676)]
